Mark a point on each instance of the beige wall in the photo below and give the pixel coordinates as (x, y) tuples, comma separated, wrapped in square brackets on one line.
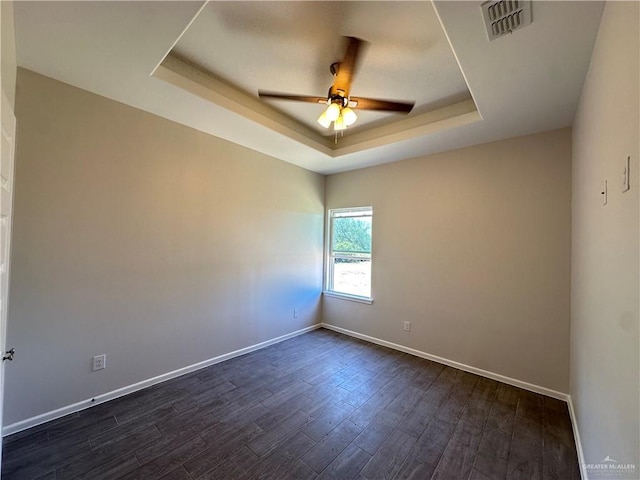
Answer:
[(8, 64), (605, 332), (146, 240), (473, 247)]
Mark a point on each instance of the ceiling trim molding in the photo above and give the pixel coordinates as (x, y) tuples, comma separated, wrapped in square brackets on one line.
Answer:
[(204, 85), (184, 30), (451, 116), (188, 77)]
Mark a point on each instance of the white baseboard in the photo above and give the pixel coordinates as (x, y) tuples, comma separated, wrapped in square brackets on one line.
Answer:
[(105, 397), (576, 436), (452, 363)]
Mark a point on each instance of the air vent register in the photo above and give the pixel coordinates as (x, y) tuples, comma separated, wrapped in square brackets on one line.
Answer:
[(505, 16)]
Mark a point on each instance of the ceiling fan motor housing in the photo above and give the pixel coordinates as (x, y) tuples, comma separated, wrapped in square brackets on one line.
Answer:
[(338, 97)]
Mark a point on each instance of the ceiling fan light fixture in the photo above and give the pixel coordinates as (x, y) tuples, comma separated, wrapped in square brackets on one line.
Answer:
[(333, 112), (339, 110), (324, 120), (349, 116)]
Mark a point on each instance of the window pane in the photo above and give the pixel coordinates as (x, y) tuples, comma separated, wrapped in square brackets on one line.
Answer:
[(352, 276), (352, 235), (349, 251)]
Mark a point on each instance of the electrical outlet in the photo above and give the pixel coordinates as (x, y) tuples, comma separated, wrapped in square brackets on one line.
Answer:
[(296, 313), (407, 326), (99, 362)]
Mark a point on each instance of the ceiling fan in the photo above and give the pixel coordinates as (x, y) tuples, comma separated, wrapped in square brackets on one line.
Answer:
[(340, 105)]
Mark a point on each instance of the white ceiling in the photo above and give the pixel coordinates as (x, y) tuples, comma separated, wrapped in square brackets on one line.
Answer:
[(527, 82)]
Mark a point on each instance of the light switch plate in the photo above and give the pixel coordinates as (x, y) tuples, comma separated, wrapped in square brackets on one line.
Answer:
[(626, 175)]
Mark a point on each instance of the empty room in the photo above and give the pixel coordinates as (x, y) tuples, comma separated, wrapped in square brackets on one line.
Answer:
[(320, 240)]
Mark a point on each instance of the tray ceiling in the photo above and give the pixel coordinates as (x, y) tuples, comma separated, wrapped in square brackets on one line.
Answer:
[(289, 46), (200, 64)]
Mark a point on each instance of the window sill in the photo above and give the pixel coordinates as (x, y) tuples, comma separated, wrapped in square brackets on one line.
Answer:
[(346, 296)]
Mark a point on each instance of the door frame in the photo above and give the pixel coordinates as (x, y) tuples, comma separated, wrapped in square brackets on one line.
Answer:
[(7, 154)]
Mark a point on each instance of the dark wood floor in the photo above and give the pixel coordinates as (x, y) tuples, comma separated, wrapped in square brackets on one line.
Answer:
[(321, 405)]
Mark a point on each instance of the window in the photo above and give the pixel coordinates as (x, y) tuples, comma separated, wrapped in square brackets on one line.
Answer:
[(349, 253)]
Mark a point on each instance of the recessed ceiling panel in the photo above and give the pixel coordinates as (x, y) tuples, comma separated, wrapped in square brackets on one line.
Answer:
[(289, 46)]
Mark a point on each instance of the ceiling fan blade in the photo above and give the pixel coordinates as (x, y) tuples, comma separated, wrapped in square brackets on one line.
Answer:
[(376, 104), (295, 98), (348, 66)]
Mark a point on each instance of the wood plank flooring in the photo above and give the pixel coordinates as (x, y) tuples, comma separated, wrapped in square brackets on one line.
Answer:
[(318, 406)]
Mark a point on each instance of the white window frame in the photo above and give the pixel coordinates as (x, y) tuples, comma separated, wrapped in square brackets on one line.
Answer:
[(333, 213)]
